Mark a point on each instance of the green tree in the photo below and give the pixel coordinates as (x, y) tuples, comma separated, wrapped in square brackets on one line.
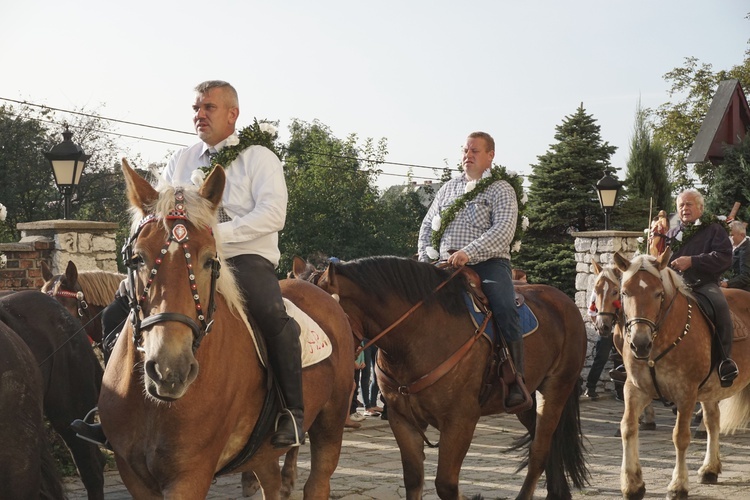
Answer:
[(562, 198), (332, 195), (692, 86), (647, 181), (731, 182)]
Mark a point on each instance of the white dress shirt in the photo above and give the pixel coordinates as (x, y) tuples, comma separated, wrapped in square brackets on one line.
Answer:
[(255, 197)]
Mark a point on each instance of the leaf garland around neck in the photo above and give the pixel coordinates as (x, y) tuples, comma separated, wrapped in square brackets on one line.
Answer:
[(262, 133), (691, 229), (497, 173)]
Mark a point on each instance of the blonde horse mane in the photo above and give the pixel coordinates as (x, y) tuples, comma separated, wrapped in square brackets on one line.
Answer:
[(671, 280), (200, 213), (99, 286)]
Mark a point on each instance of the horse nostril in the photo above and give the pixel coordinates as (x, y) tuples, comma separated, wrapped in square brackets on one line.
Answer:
[(151, 371)]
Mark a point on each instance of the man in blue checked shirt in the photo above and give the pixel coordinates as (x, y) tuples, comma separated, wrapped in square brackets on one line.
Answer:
[(479, 236)]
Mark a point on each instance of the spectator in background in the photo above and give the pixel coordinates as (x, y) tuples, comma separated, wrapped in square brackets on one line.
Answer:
[(740, 264)]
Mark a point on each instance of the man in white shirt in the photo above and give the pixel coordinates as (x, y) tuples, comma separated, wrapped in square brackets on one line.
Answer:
[(252, 214)]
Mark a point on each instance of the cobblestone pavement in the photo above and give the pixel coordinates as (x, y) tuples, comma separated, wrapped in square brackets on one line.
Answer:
[(370, 467)]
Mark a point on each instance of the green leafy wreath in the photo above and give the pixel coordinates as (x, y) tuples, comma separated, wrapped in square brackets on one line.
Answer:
[(691, 230), (497, 173), (262, 133)]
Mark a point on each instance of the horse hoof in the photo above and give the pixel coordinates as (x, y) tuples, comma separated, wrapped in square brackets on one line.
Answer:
[(648, 426), (709, 478), (677, 495), (700, 435), (636, 495)]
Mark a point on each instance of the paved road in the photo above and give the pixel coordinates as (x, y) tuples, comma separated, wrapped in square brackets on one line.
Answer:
[(370, 467)]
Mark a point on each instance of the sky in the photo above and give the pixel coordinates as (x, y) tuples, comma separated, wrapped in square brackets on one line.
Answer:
[(422, 74)]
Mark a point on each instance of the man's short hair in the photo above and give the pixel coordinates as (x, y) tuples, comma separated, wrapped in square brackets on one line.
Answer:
[(739, 227), (696, 194), (204, 87), (487, 139)]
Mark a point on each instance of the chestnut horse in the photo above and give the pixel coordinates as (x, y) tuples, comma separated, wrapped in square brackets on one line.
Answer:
[(172, 428), (608, 320), (83, 293), (667, 354), (376, 291)]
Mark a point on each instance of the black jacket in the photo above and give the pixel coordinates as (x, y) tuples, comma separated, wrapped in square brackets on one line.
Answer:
[(740, 267)]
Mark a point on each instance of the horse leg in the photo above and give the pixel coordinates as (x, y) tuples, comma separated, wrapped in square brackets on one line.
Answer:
[(289, 472), (326, 435), (678, 487), (454, 444), (88, 459), (250, 484), (269, 476), (648, 420), (631, 475), (411, 447), (711, 468)]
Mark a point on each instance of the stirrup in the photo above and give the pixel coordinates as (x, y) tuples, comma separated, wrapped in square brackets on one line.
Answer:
[(726, 379), (286, 412)]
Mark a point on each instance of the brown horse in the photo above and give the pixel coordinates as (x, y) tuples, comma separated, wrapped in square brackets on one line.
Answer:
[(27, 469), (84, 293), (375, 292), (608, 320), (667, 354), (173, 429)]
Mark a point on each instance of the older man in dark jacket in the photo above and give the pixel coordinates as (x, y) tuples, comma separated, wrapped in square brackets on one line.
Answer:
[(702, 252)]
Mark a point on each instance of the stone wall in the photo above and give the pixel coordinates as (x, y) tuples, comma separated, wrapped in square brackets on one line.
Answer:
[(601, 247), (90, 245)]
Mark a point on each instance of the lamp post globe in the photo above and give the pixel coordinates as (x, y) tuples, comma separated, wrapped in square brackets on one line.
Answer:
[(67, 160), (607, 189)]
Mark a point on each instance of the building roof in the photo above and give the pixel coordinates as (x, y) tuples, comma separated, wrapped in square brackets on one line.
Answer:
[(726, 123)]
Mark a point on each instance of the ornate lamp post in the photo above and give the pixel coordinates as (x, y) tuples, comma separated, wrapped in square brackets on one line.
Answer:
[(67, 160), (607, 188)]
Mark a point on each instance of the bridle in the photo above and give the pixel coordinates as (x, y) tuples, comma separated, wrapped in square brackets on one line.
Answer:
[(178, 233), (653, 326), (81, 303)]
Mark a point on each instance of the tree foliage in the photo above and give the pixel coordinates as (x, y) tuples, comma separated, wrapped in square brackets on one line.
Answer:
[(562, 198), (730, 183), (647, 182), (693, 86)]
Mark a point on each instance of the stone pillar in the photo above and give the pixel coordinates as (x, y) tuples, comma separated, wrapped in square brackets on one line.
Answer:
[(90, 245), (601, 247)]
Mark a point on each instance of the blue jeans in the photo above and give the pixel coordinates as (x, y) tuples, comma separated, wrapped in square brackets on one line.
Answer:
[(368, 378), (497, 284)]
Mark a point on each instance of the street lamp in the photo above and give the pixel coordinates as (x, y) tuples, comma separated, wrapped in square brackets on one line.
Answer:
[(607, 189), (67, 160)]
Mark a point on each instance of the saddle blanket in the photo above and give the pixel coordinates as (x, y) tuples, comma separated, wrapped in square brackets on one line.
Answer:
[(528, 320), (316, 346)]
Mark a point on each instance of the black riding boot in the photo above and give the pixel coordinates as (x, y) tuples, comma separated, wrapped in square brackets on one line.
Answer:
[(516, 394), (728, 370), (284, 355)]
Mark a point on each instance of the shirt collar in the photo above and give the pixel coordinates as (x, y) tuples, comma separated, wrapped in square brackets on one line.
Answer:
[(232, 139)]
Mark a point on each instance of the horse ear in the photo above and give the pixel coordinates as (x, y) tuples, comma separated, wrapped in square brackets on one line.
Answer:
[(299, 266), (213, 187), (621, 262), (663, 259), (46, 272), (71, 273), (140, 193), (596, 266)]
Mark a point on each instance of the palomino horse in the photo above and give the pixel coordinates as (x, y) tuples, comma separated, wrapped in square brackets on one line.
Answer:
[(173, 429), (71, 374), (84, 293), (27, 469), (667, 354), (425, 389), (608, 320)]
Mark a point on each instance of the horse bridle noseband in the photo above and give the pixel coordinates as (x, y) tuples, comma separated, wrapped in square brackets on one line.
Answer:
[(179, 235), (653, 325), (78, 295)]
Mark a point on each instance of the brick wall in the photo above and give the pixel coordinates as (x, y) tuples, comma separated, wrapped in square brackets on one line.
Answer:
[(23, 268)]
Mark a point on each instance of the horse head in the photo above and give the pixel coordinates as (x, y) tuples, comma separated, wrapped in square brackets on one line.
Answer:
[(606, 299), (65, 288), (173, 269), (646, 286)]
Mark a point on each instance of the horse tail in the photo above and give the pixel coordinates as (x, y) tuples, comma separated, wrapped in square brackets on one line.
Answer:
[(567, 451), (52, 486), (735, 411)]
